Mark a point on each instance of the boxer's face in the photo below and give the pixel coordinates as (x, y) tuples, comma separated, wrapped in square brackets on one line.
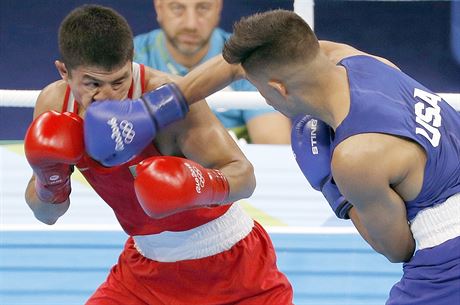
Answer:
[(188, 24), (90, 83)]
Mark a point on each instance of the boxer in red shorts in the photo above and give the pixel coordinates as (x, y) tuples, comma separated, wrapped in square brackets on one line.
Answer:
[(170, 173)]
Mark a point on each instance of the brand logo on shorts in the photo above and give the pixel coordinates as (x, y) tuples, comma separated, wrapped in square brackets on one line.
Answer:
[(122, 133), (199, 180)]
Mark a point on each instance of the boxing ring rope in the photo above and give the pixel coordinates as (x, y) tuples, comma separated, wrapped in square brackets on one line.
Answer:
[(222, 99)]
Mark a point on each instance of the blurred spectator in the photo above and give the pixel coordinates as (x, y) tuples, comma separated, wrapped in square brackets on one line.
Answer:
[(189, 36)]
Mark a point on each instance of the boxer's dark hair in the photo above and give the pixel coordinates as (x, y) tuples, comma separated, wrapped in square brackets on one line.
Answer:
[(93, 35), (264, 40)]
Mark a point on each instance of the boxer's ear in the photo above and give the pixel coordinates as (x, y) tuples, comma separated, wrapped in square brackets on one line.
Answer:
[(60, 66), (278, 86)]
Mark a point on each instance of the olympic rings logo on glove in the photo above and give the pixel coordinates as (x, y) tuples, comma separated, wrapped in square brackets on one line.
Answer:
[(126, 135), (127, 131)]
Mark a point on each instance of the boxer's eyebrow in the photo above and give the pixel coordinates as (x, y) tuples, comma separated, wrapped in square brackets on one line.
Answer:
[(92, 78), (123, 77)]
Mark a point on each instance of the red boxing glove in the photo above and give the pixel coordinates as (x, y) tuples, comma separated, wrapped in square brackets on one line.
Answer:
[(53, 143), (168, 185)]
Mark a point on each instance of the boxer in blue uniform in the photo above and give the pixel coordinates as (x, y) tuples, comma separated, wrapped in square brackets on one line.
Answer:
[(382, 148)]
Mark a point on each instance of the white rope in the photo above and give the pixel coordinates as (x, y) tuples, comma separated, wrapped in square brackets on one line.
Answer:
[(222, 99), (18, 98)]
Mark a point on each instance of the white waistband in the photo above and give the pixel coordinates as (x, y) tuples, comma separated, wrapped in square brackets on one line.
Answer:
[(435, 225), (209, 239)]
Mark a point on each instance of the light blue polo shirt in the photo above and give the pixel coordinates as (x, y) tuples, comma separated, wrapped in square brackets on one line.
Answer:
[(150, 50)]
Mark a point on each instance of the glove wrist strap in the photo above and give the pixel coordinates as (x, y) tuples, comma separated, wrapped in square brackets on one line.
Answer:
[(220, 186), (166, 105), (57, 193)]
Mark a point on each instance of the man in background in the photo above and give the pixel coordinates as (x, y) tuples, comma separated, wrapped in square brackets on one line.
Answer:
[(189, 36)]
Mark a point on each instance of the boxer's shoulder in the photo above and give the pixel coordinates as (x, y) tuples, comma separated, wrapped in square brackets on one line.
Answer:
[(155, 78), (51, 97)]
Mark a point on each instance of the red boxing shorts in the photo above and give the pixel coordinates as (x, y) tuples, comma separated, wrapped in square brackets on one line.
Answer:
[(244, 274)]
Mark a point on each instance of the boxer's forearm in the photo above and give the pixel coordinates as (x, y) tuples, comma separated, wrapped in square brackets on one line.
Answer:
[(208, 78), (397, 250)]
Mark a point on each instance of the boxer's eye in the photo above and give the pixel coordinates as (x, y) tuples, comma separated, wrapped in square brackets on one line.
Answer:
[(91, 85), (117, 85)]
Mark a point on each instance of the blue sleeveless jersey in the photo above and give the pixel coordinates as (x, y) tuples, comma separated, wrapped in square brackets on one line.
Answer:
[(385, 100)]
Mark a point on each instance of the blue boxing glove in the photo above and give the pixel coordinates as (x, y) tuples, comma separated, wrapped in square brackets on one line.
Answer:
[(311, 144), (117, 131)]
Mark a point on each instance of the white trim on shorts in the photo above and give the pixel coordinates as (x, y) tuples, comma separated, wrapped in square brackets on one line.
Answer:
[(209, 239), (435, 225)]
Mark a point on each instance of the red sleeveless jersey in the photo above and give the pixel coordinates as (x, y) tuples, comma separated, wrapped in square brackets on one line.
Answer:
[(115, 185)]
